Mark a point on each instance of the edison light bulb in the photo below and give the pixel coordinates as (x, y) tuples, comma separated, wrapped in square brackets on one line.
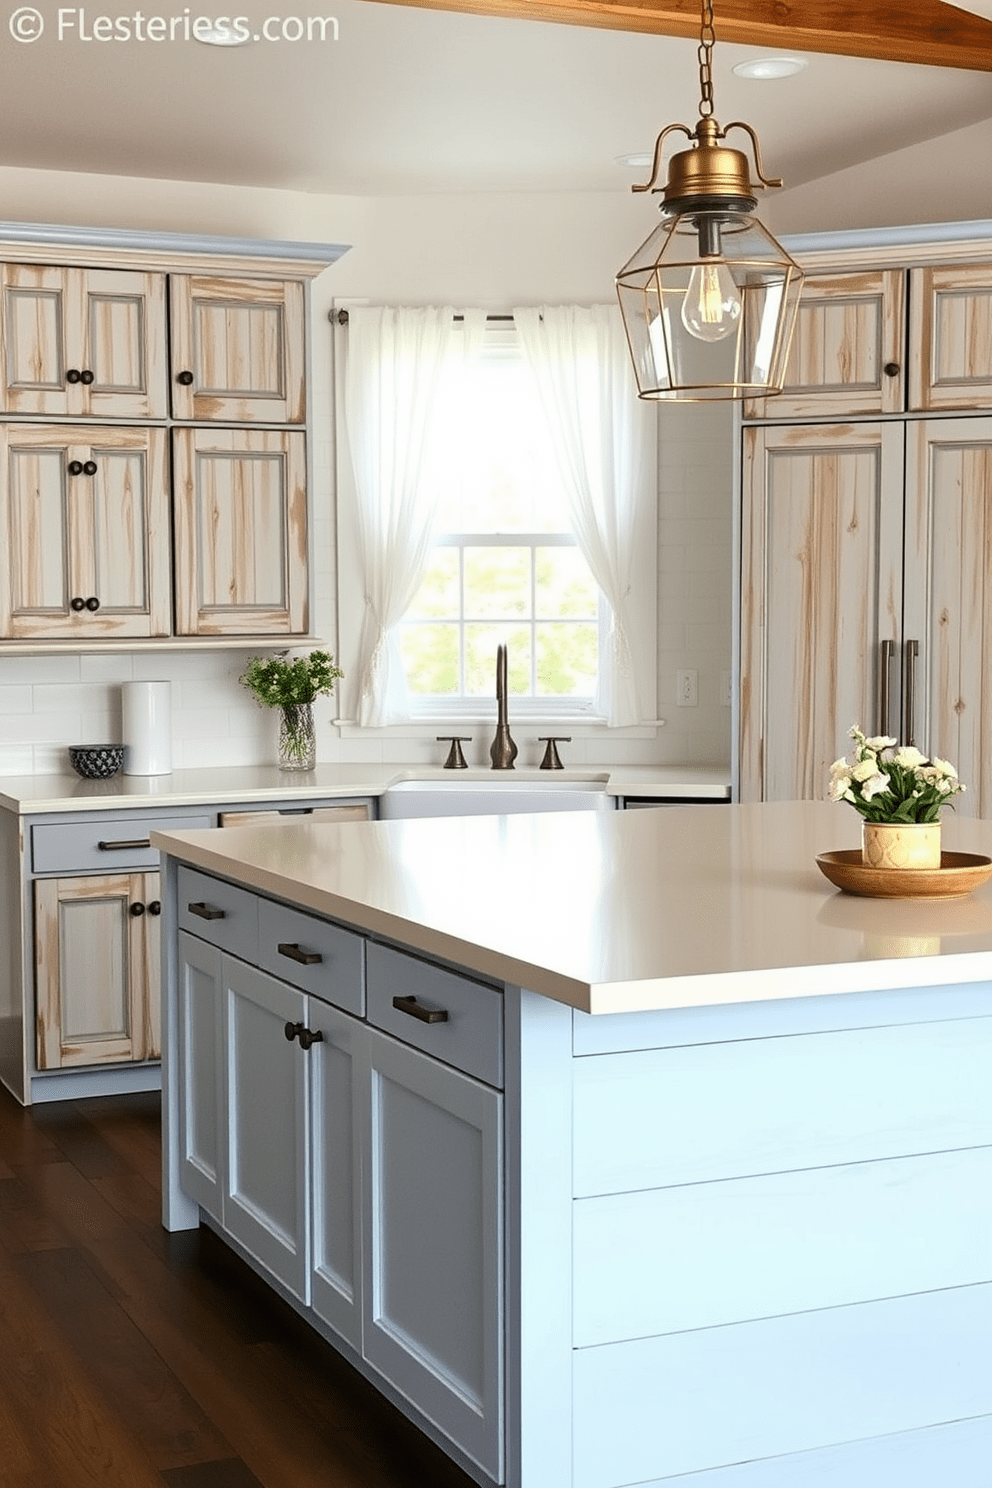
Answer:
[(712, 304)]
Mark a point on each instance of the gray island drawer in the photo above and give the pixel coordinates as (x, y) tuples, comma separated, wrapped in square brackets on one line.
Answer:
[(316, 955), (471, 1036), (75, 847), (218, 912)]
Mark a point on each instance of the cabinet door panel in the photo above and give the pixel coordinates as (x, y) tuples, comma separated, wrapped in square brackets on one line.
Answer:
[(34, 320), (821, 588), (97, 970), (948, 603), (338, 1082), (951, 337), (84, 537), (266, 1090), (432, 1292), (201, 1124), (242, 342), (121, 316), (241, 532), (850, 327)]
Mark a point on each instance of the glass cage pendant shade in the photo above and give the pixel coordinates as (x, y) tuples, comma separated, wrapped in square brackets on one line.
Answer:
[(709, 304)]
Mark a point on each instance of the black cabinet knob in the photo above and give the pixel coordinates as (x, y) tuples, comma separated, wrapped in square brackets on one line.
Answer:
[(86, 376), (892, 369), (292, 1030), (75, 467), (72, 375), (93, 603), (307, 1038), (155, 907), (77, 604), (186, 378), (136, 911), (89, 468)]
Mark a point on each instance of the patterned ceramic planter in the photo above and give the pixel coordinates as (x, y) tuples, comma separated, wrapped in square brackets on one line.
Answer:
[(899, 845)]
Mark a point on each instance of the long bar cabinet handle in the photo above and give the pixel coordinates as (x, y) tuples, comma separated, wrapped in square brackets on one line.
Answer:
[(305, 958), (205, 911), (883, 687), (125, 845), (910, 657), (413, 1008)]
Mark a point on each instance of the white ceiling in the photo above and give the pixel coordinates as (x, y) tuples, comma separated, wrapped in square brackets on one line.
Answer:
[(414, 101)]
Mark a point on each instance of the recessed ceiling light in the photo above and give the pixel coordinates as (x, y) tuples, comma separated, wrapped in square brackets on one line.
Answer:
[(637, 161), (770, 67), (222, 33)]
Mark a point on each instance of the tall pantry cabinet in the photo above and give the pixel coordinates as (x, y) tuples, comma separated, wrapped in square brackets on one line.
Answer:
[(153, 437), (866, 528)]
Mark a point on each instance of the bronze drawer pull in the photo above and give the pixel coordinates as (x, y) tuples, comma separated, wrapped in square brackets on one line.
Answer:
[(128, 845), (305, 958), (205, 911), (411, 1006), (307, 1039)]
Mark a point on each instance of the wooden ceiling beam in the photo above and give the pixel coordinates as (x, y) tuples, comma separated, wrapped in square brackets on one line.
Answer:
[(924, 31)]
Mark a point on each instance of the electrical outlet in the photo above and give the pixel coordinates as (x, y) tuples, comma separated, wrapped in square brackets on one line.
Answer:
[(687, 689)]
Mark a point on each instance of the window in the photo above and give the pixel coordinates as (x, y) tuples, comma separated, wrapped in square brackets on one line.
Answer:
[(504, 567)]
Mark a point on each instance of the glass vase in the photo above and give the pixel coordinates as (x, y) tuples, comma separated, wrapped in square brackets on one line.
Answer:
[(297, 737)]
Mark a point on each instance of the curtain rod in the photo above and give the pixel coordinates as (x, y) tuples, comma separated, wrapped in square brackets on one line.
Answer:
[(341, 317)]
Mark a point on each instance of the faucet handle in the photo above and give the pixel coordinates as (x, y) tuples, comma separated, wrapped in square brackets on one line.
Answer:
[(552, 759), (456, 760)]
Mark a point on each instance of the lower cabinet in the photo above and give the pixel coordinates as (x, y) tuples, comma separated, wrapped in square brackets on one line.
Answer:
[(364, 1174), (97, 969)]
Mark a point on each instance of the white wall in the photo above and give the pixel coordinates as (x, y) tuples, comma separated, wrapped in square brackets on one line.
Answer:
[(493, 250)]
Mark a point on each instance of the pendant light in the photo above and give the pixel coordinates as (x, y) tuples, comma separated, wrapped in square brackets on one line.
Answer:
[(709, 300)]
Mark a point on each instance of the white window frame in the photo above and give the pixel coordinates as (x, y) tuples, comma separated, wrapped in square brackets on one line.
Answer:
[(429, 715)]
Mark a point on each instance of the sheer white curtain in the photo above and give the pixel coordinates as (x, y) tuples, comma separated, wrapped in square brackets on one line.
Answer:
[(395, 362), (601, 432)]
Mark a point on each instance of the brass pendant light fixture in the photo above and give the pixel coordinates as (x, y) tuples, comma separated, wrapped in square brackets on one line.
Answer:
[(709, 300)]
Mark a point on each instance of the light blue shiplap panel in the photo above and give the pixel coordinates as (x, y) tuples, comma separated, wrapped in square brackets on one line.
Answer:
[(959, 1454), (717, 1396), (664, 1260), (668, 1116), (612, 1033)]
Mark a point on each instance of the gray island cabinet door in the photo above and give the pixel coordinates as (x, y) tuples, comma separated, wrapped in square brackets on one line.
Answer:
[(201, 1120), (336, 1065), (433, 1211), (266, 1092)]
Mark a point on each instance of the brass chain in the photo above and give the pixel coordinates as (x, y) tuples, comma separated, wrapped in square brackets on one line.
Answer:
[(707, 36)]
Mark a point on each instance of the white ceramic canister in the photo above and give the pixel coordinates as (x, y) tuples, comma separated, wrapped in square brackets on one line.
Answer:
[(146, 709)]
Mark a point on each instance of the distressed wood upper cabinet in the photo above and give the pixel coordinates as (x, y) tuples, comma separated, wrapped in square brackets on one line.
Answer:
[(821, 590), (83, 342), (84, 518), (951, 338), (947, 687), (97, 969), (847, 353), (240, 509), (238, 349)]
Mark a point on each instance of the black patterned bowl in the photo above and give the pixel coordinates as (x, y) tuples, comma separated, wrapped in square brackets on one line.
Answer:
[(96, 761)]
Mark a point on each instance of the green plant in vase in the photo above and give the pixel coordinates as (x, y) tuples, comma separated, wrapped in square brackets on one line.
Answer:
[(899, 794), (292, 686)]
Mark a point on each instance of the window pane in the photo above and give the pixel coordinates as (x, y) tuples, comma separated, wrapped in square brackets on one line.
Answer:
[(565, 587), (430, 658), (480, 658), (497, 582), (437, 596), (567, 659)]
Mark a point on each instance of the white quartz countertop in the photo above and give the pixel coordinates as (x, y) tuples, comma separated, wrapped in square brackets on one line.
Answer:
[(26, 794), (622, 911)]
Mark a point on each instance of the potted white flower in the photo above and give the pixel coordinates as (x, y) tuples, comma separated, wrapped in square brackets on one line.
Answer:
[(899, 793)]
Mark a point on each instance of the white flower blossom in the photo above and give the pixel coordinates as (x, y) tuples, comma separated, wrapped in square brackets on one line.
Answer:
[(909, 758), (944, 768), (881, 742), (914, 788), (874, 786), (865, 768)]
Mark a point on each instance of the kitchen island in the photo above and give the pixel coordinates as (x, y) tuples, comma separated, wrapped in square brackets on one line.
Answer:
[(615, 1148)]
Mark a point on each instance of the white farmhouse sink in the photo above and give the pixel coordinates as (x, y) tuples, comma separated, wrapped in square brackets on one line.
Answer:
[(491, 798)]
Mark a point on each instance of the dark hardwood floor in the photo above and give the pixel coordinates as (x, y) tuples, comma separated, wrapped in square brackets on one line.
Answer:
[(131, 1358)]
